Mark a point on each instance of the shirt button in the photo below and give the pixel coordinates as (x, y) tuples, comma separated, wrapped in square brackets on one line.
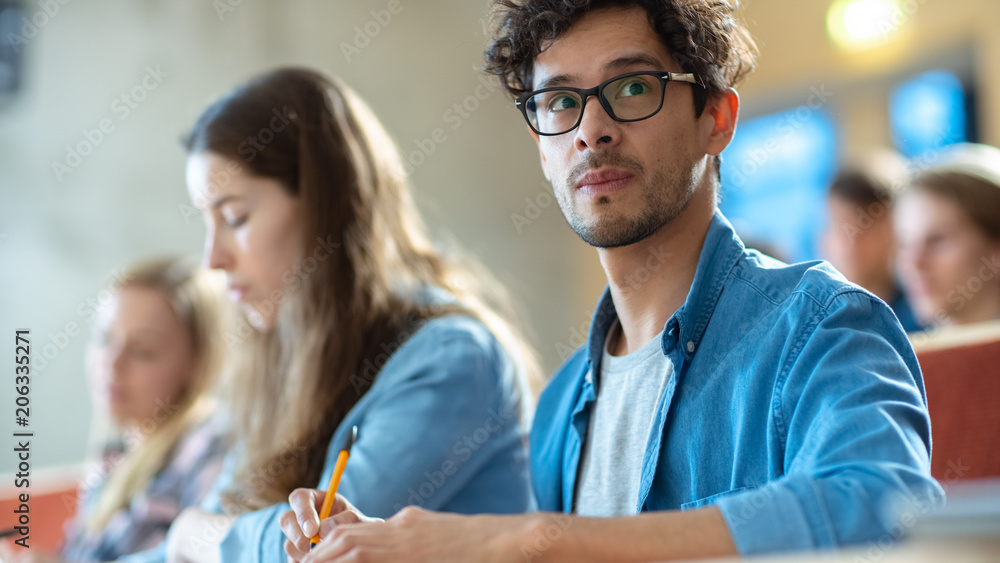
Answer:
[(690, 347)]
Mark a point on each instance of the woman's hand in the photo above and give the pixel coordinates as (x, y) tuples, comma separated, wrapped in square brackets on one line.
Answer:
[(195, 536), (301, 523)]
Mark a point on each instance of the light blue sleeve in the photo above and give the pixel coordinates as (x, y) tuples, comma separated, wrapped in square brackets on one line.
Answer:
[(856, 434), (446, 386)]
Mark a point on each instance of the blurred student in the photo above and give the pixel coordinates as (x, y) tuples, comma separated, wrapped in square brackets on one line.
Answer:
[(354, 319), (154, 359), (859, 239), (948, 226)]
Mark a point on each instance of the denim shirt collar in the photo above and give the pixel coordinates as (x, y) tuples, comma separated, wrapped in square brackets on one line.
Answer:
[(721, 251)]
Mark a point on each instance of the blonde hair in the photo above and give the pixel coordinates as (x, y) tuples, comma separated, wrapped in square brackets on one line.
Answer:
[(289, 388), (195, 296)]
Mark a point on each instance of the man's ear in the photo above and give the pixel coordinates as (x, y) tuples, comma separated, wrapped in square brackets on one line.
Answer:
[(541, 155), (722, 111)]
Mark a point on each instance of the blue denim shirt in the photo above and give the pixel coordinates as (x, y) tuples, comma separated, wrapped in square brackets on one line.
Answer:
[(796, 407), (439, 428)]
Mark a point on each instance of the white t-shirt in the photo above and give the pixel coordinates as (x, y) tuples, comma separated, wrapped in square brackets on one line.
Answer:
[(628, 391)]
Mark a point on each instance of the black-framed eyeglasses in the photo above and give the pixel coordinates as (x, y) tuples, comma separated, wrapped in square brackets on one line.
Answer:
[(630, 97)]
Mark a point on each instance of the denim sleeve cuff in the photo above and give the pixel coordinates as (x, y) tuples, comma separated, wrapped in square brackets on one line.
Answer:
[(767, 520)]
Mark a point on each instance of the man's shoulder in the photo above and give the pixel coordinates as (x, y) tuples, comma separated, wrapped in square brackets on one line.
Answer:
[(779, 308), (777, 303), (814, 282)]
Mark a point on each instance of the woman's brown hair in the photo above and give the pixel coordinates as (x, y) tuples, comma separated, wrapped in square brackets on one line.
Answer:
[(361, 283)]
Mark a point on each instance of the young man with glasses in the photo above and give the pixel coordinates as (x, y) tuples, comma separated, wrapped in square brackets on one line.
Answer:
[(725, 402)]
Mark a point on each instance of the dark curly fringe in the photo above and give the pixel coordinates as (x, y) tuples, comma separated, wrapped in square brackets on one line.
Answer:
[(703, 36)]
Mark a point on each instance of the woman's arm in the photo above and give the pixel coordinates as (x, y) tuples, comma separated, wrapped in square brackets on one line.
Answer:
[(441, 414)]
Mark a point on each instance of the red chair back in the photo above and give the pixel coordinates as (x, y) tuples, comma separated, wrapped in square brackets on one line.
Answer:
[(962, 377), (51, 503)]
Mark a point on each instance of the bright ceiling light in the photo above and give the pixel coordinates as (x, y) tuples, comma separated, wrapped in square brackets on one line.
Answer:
[(859, 24)]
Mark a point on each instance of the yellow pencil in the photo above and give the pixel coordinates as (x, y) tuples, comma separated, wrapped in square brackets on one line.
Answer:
[(338, 471)]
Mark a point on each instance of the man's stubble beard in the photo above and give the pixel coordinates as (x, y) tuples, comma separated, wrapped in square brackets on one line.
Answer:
[(665, 195)]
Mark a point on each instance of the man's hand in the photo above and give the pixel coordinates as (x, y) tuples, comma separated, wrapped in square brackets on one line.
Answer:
[(301, 523)]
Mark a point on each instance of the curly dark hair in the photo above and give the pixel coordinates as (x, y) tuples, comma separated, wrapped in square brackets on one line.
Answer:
[(703, 36)]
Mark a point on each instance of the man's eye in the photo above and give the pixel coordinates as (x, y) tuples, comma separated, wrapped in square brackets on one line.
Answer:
[(633, 89), (562, 102)]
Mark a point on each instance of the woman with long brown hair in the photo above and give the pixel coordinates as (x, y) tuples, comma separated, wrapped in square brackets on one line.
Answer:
[(354, 318)]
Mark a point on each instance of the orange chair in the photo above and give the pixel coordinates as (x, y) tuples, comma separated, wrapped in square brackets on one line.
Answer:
[(961, 368), (52, 502)]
